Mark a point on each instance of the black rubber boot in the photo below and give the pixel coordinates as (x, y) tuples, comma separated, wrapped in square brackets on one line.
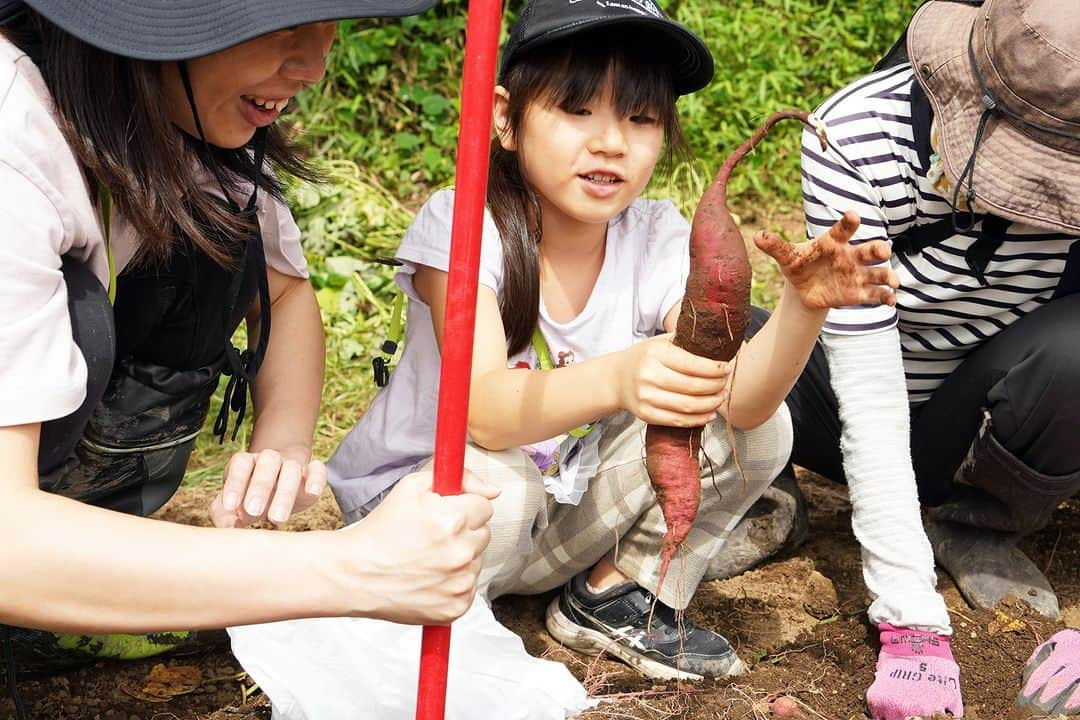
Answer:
[(986, 566), (775, 523), (997, 500)]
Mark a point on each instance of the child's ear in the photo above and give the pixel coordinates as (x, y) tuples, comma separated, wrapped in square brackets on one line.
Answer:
[(501, 119)]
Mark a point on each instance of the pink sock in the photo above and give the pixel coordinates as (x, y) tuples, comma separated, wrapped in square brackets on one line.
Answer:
[(916, 676)]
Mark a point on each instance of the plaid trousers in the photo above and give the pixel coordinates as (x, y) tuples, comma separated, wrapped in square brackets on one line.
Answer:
[(538, 544)]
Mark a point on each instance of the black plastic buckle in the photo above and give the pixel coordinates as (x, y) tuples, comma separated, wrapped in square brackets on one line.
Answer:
[(381, 371)]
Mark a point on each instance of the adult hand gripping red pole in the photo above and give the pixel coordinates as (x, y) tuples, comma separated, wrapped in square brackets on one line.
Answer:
[(478, 84)]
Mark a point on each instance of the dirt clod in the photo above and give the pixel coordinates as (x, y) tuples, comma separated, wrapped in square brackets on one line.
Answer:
[(820, 599)]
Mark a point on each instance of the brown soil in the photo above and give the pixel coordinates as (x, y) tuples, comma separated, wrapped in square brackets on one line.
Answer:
[(799, 621)]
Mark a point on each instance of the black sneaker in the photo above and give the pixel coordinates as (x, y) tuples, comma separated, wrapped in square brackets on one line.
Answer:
[(616, 621)]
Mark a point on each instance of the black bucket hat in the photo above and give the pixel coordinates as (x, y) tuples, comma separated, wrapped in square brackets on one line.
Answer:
[(544, 21), (184, 29)]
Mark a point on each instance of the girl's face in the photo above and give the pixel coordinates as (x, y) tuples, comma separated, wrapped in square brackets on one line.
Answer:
[(247, 86), (586, 164)]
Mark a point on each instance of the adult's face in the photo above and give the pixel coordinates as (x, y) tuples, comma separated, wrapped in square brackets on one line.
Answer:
[(245, 87)]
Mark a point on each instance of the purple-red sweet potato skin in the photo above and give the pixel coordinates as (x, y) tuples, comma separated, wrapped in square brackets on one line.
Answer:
[(712, 322)]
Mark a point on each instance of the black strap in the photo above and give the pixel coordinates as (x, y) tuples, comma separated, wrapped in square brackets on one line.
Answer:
[(980, 252), (990, 236), (1070, 278), (190, 92), (241, 367), (922, 122), (9, 661), (916, 239)]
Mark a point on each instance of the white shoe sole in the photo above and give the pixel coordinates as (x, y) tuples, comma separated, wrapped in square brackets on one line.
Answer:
[(593, 642)]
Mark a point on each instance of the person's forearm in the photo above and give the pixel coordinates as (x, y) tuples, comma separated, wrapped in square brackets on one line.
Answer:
[(769, 363), (511, 407), (867, 376), (75, 568), (288, 389)]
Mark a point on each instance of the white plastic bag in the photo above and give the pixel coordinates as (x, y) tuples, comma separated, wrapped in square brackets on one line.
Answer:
[(338, 668)]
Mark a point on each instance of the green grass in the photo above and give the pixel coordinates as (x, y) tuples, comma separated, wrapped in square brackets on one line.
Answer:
[(384, 124)]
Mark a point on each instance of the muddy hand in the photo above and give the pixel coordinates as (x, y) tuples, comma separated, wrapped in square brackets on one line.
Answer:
[(829, 271)]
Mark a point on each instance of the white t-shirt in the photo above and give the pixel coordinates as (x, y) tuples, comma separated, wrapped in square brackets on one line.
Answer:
[(646, 261), (46, 212)]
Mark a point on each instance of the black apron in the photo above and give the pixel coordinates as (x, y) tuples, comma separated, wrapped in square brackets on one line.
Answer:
[(173, 324)]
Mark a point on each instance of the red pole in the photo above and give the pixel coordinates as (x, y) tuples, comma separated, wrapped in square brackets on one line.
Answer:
[(477, 89)]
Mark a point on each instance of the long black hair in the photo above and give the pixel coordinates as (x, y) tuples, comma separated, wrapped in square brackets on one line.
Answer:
[(565, 74), (111, 111)]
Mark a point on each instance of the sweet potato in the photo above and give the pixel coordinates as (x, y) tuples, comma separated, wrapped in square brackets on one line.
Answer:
[(712, 323), (785, 707)]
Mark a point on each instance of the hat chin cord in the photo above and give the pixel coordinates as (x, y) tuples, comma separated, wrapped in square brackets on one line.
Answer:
[(992, 106), (242, 367), (260, 146)]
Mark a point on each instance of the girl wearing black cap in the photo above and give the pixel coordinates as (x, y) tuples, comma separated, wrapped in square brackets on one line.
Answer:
[(142, 221), (578, 274)]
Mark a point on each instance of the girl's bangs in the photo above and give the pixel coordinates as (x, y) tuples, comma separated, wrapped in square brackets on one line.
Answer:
[(588, 65)]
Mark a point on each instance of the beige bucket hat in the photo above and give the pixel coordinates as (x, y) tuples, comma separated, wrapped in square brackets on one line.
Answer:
[(1003, 79)]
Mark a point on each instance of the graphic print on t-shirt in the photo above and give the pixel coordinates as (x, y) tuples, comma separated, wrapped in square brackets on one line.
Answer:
[(546, 453)]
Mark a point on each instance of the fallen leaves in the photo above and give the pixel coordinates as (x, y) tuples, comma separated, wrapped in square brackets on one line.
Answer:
[(1004, 623), (163, 683)]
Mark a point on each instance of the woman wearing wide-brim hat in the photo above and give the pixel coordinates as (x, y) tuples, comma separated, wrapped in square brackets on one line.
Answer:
[(141, 222)]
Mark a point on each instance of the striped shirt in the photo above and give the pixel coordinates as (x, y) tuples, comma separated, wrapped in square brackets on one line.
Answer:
[(942, 311)]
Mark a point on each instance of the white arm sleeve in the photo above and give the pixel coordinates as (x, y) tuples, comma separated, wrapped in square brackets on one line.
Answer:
[(898, 565)]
